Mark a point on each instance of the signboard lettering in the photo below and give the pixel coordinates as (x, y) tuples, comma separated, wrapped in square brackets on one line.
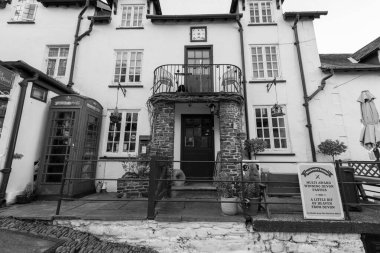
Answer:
[(320, 192)]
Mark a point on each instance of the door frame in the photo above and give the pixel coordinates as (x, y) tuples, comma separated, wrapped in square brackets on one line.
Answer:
[(183, 131), (211, 47)]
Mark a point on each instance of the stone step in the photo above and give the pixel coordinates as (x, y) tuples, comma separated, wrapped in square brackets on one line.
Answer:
[(195, 190)]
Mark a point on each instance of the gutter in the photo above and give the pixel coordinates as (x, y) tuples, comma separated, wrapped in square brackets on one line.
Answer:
[(13, 140), (321, 87), (244, 77), (306, 98), (77, 39)]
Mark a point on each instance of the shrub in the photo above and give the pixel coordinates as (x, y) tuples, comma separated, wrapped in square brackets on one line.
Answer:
[(255, 146), (225, 189), (332, 148)]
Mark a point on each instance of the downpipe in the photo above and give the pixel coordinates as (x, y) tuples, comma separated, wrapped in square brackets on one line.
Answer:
[(244, 76), (322, 86), (78, 38), (306, 99), (13, 139)]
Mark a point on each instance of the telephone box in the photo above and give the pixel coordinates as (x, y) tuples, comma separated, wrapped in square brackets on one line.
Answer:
[(72, 135)]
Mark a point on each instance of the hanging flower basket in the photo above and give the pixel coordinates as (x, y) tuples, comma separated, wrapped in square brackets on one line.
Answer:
[(115, 118), (276, 111)]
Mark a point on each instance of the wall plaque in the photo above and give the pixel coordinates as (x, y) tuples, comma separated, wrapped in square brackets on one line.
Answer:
[(320, 191)]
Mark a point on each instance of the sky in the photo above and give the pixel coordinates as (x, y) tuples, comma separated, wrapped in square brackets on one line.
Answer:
[(348, 26)]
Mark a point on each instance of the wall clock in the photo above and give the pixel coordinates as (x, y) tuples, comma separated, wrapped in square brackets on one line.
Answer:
[(198, 34)]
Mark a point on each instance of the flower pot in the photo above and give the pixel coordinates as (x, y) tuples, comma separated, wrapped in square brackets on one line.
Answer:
[(23, 199), (178, 178), (229, 208)]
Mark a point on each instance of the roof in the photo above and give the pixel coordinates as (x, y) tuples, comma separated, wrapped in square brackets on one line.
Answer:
[(198, 17), (340, 62), (366, 50), (304, 14), (27, 71)]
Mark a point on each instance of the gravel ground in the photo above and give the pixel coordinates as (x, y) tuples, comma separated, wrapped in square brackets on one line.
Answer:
[(75, 241)]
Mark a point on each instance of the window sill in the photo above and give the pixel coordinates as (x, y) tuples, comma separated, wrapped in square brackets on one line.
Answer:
[(266, 81), (276, 154), (262, 24), (21, 22), (126, 86), (130, 28)]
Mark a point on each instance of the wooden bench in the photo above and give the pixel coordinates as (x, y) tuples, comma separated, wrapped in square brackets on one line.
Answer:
[(278, 185)]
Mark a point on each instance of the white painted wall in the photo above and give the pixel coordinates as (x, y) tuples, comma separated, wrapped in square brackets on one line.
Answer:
[(164, 44), (338, 111)]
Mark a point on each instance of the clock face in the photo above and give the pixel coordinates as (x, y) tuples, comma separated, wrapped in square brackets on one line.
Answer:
[(198, 34)]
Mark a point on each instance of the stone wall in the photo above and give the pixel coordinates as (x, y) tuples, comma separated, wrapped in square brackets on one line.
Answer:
[(230, 130), (133, 188), (214, 237), (163, 130)]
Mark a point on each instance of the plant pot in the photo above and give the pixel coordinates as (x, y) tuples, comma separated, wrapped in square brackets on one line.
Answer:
[(229, 208), (178, 178), (22, 199)]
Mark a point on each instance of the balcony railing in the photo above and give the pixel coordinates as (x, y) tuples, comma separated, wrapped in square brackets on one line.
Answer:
[(205, 78)]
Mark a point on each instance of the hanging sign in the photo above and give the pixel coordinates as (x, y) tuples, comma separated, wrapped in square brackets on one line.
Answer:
[(6, 79), (320, 191)]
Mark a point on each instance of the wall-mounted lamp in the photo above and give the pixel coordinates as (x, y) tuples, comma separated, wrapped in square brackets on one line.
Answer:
[(213, 109)]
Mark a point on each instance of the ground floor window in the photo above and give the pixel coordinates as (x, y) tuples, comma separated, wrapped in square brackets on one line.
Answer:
[(122, 132), (271, 129)]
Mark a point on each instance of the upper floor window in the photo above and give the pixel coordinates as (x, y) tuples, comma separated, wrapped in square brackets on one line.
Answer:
[(122, 133), (25, 11), (265, 63), (132, 15), (260, 11), (272, 130), (57, 60), (128, 66)]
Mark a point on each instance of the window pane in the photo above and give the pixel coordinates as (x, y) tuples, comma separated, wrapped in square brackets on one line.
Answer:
[(53, 52)]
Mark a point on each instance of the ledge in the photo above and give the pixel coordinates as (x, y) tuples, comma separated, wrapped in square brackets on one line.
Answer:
[(125, 86), (198, 17), (263, 24), (276, 154), (122, 158), (267, 81), (21, 22), (129, 28)]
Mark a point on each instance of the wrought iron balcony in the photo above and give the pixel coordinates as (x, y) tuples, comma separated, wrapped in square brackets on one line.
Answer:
[(205, 78)]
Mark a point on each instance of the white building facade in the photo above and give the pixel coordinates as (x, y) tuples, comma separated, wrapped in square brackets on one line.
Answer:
[(195, 84)]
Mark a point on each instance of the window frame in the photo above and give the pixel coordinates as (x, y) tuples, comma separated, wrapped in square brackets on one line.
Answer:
[(128, 67), (265, 62), (57, 58), (36, 86), (19, 11), (260, 12), (272, 149), (132, 19), (120, 151)]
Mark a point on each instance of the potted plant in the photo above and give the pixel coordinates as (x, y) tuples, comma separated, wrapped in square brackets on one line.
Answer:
[(255, 146), (332, 148), (251, 190), (227, 193), (26, 196)]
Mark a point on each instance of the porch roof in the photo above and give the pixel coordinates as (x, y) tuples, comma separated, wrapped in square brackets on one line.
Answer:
[(340, 62), (193, 17)]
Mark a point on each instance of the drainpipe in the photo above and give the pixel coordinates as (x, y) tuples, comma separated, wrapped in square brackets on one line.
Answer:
[(322, 86), (13, 140), (77, 39), (244, 78), (306, 99)]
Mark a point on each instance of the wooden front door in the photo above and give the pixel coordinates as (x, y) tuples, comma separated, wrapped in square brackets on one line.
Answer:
[(199, 69), (197, 144)]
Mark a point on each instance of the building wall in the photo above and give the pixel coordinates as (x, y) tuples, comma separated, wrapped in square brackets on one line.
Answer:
[(214, 237), (338, 112), (164, 44)]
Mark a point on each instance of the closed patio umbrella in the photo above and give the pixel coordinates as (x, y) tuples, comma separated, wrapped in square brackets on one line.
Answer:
[(370, 133)]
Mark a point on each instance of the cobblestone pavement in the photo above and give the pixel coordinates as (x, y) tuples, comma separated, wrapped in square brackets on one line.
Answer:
[(74, 241)]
